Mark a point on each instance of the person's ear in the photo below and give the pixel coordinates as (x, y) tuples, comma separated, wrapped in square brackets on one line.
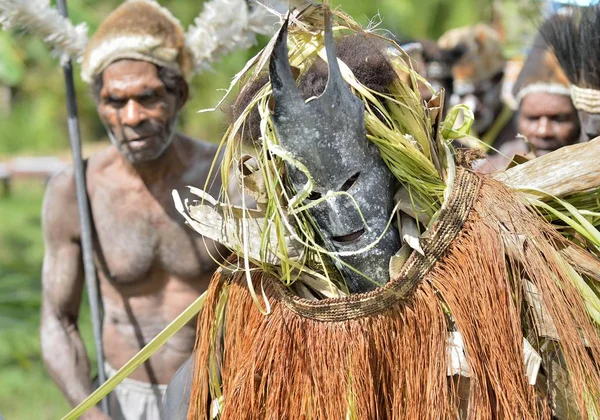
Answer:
[(183, 94)]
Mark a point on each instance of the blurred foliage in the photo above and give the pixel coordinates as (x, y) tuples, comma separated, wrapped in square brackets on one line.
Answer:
[(26, 390), (11, 65)]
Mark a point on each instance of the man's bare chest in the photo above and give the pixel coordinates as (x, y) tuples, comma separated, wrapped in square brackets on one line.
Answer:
[(139, 236)]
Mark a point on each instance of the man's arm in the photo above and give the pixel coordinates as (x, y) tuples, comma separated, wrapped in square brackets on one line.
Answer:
[(62, 286)]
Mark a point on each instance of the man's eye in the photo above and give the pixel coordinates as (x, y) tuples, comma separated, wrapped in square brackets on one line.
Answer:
[(116, 102), (151, 97), (561, 118)]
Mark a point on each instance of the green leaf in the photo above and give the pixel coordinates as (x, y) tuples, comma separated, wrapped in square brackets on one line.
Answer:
[(143, 355)]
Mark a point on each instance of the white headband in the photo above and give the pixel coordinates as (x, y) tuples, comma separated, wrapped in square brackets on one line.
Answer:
[(587, 100), (553, 88), (135, 47)]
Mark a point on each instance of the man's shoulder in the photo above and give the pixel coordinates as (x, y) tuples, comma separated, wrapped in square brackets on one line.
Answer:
[(61, 185), (100, 160), (61, 191), (59, 210), (63, 182)]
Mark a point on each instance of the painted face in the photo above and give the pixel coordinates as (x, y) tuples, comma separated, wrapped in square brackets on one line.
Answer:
[(483, 99), (590, 126), (137, 110), (327, 136), (549, 121)]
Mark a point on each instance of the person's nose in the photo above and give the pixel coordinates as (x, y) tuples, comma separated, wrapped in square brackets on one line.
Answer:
[(132, 114), (543, 127)]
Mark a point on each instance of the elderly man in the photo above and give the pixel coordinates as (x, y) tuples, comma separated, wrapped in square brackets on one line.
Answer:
[(150, 266), (546, 115)]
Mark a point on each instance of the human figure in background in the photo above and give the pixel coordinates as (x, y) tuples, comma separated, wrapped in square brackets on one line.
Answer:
[(150, 265), (438, 67), (434, 64), (546, 116), (477, 75)]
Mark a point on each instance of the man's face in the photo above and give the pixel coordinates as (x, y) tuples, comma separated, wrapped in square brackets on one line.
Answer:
[(137, 110), (483, 99), (549, 121), (590, 126)]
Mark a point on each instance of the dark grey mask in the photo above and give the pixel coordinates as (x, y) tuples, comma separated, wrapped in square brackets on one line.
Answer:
[(328, 136)]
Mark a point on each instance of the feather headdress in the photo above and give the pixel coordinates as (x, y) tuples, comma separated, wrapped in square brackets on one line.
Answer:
[(39, 18), (225, 25)]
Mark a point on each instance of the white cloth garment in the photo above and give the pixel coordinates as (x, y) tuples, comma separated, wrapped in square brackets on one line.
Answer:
[(135, 400)]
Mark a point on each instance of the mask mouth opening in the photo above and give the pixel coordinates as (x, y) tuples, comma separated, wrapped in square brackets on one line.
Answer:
[(349, 237)]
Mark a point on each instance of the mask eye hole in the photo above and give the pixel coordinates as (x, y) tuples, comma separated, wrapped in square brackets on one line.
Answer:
[(350, 182), (314, 195)]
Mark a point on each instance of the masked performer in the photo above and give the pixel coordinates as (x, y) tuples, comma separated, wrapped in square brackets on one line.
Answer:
[(376, 278), (573, 37)]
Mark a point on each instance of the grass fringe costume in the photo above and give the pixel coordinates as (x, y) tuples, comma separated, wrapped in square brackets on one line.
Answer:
[(490, 312)]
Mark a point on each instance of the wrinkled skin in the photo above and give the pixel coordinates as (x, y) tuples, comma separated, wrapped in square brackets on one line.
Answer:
[(150, 265), (548, 121), (590, 126), (140, 121)]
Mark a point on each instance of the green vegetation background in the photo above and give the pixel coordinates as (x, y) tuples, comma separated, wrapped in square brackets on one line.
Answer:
[(35, 125)]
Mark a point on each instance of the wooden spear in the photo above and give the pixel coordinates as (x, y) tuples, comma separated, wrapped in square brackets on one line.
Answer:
[(84, 214)]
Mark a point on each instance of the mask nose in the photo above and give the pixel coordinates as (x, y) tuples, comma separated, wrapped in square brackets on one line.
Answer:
[(345, 222)]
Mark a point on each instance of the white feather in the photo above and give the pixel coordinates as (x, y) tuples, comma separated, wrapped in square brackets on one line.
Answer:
[(37, 17), (226, 25)]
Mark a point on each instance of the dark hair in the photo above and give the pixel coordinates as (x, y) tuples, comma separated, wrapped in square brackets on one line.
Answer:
[(364, 55), (171, 78)]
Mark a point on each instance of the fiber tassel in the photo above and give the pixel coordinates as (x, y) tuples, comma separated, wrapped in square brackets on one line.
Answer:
[(286, 366)]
